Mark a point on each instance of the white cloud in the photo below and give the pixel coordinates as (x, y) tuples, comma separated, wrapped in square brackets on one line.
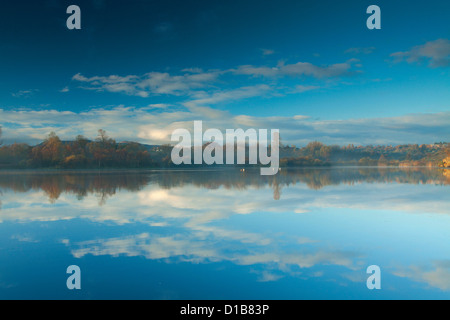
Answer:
[(158, 106), (267, 52), (230, 95), (155, 127), (297, 70), (438, 277), (360, 50), (436, 52), (24, 93), (193, 70), (153, 83), (200, 84), (302, 88)]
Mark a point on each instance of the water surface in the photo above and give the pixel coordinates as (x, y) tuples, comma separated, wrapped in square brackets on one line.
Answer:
[(225, 234)]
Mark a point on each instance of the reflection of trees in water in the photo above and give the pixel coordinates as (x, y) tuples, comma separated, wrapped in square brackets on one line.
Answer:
[(106, 184), (103, 185), (446, 173)]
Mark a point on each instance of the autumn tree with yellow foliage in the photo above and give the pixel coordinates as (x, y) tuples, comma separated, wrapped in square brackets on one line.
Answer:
[(446, 161)]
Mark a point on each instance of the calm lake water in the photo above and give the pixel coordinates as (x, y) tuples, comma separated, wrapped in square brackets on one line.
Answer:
[(224, 234)]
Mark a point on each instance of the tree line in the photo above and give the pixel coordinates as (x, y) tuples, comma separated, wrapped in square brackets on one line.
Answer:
[(105, 152)]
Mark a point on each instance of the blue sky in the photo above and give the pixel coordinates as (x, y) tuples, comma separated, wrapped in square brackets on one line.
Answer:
[(309, 68)]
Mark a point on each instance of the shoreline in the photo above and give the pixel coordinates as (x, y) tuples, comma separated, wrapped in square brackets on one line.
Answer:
[(202, 169)]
